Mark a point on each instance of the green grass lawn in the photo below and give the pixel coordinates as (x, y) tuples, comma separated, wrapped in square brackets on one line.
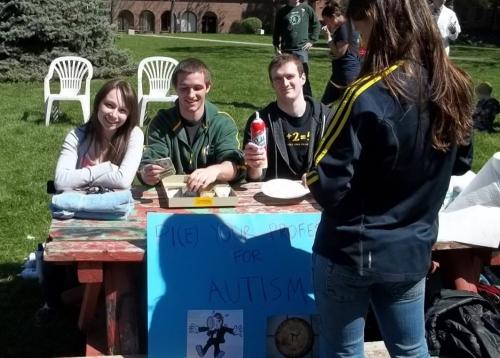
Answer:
[(30, 150)]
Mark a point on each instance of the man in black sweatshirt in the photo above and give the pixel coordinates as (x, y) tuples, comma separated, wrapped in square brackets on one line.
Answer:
[(294, 126)]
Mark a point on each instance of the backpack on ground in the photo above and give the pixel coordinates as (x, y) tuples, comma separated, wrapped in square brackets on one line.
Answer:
[(462, 324)]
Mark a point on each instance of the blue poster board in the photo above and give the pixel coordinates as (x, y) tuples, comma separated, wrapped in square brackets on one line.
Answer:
[(257, 264)]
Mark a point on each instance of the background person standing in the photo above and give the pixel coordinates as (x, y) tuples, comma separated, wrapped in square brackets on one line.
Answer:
[(295, 30), (447, 22), (343, 41)]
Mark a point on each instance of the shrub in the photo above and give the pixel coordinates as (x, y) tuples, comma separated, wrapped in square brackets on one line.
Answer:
[(236, 28), (33, 33), (251, 25)]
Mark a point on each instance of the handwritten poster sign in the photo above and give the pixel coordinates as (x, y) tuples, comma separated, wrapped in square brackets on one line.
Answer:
[(229, 276)]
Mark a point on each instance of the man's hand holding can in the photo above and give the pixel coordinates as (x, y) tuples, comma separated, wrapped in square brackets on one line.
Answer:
[(257, 148)]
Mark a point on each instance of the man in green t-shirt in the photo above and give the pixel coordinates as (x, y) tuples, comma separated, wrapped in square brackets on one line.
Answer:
[(295, 30)]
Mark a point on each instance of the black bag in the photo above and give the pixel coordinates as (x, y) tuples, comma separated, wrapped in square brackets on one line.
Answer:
[(462, 324)]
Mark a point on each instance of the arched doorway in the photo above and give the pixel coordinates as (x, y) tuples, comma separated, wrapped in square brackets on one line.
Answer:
[(125, 21), (188, 22), (209, 23), (165, 21), (147, 21)]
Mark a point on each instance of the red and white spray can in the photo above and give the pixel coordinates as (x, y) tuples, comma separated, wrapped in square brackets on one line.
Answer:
[(258, 133)]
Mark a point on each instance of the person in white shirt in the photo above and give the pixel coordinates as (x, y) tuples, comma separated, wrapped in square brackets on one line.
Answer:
[(447, 22)]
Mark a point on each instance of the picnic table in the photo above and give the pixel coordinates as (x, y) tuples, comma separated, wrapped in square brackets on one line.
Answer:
[(107, 252)]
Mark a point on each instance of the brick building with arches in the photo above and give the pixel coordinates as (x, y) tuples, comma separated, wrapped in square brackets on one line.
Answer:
[(210, 16)]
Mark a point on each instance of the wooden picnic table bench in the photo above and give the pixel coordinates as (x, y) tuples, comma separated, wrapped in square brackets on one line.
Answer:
[(105, 252)]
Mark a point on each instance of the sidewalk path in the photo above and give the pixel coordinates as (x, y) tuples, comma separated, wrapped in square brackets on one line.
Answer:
[(219, 41), (469, 59)]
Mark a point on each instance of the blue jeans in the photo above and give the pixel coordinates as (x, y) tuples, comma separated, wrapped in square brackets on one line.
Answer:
[(343, 296)]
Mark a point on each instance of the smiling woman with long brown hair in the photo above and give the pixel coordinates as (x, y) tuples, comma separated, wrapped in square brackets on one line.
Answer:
[(105, 151), (381, 173)]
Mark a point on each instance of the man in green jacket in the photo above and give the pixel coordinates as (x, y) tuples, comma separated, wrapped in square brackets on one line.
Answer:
[(200, 140), (295, 30)]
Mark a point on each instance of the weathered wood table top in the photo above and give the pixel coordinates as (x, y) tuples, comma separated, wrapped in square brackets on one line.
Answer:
[(124, 240)]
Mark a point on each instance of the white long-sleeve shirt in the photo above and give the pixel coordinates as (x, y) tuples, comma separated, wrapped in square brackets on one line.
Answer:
[(446, 18), (69, 174)]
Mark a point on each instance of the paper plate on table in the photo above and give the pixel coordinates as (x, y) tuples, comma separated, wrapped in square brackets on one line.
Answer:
[(284, 189)]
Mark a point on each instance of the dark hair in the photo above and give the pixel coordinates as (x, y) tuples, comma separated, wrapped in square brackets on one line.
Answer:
[(405, 30), (191, 65), (280, 60), (484, 88), (119, 142), (333, 8)]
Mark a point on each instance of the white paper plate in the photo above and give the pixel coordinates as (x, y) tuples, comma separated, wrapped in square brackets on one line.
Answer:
[(284, 189)]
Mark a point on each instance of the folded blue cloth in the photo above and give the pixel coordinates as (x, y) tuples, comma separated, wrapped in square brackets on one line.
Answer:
[(114, 205), (63, 214)]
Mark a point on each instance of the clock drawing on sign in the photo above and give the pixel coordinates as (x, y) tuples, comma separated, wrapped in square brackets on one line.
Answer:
[(294, 337)]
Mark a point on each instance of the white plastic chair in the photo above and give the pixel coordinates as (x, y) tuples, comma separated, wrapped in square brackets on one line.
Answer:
[(158, 70), (71, 71)]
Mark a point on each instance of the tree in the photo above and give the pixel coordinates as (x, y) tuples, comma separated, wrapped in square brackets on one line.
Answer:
[(34, 32), (490, 8), (172, 17)]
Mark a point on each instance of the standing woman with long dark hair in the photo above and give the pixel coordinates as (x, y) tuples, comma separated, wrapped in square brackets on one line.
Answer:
[(105, 151), (381, 173)]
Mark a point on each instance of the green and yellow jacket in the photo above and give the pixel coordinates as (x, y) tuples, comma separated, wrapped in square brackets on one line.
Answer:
[(215, 142)]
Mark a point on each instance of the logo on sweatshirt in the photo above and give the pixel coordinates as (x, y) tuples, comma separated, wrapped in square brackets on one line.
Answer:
[(294, 19)]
